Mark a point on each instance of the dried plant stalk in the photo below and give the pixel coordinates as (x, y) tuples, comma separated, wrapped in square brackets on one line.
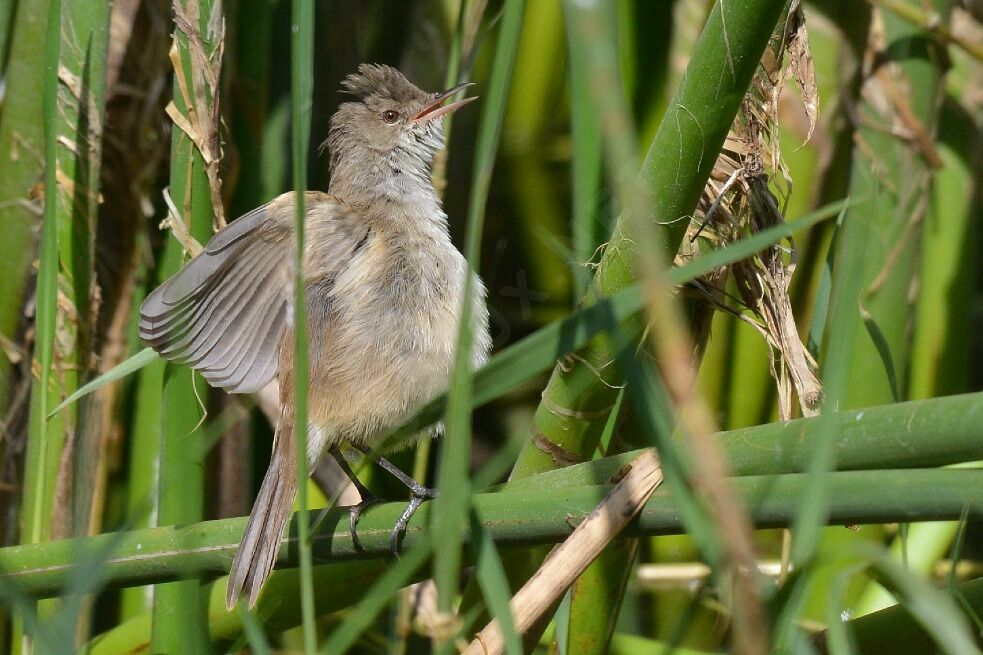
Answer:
[(571, 558)]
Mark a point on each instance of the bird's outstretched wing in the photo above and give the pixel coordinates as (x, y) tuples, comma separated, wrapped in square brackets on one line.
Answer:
[(225, 312)]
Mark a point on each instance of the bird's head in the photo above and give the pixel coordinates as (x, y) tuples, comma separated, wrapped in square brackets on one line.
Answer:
[(391, 128)]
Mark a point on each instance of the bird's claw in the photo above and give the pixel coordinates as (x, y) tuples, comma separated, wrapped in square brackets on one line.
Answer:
[(421, 495), (355, 514)]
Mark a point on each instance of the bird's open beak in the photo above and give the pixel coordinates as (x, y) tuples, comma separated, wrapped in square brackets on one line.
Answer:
[(436, 108)]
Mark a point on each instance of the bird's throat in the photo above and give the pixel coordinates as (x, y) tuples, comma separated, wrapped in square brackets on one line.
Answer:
[(384, 179)]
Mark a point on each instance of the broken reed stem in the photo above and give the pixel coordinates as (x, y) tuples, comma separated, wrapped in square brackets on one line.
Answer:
[(571, 558)]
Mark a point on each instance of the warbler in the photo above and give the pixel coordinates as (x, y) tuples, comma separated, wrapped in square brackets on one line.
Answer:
[(384, 290)]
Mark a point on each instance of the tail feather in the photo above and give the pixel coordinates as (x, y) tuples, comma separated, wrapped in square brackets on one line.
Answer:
[(264, 530)]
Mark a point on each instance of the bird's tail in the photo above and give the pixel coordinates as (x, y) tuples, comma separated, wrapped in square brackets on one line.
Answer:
[(264, 530)]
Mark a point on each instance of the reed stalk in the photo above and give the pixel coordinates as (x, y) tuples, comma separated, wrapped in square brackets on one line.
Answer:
[(936, 432), (178, 610)]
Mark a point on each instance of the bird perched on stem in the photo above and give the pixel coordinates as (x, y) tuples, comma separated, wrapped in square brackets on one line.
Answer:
[(384, 293)]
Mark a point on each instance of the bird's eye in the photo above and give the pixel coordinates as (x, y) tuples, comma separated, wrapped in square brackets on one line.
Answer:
[(390, 116)]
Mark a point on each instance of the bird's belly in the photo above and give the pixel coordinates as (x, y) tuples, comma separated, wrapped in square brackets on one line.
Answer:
[(379, 360)]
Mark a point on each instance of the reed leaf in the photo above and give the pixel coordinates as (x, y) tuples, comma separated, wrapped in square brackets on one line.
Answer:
[(585, 166), (37, 465), (127, 367)]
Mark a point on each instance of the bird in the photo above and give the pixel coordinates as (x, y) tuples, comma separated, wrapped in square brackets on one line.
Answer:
[(384, 292)]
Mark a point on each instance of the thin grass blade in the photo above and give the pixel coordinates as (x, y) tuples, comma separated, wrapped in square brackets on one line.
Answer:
[(301, 89), (452, 504), (127, 367)]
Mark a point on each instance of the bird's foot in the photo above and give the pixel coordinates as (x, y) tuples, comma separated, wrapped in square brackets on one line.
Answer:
[(355, 514), (421, 495)]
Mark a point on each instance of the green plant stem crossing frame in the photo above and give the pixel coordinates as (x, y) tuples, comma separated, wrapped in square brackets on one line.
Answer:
[(511, 518), (924, 433)]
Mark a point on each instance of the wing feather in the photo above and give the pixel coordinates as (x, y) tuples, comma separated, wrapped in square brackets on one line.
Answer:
[(232, 362), (225, 312), (225, 303)]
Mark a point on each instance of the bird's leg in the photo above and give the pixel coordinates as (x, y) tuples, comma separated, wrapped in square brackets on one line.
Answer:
[(367, 497), (420, 493)]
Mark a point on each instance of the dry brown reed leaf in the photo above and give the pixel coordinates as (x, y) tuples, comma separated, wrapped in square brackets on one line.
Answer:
[(738, 201), (202, 120), (799, 67), (179, 227), (568, 560)]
